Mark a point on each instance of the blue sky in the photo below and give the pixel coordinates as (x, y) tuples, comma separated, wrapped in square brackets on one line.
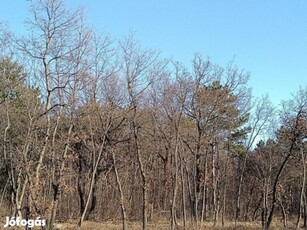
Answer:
[(266, 38)]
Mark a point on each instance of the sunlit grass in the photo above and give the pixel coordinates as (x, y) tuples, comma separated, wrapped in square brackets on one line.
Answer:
[(165, 225)]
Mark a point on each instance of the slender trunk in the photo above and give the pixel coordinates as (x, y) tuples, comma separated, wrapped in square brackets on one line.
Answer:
[(144, 188), (224, 204), (305, 211), (18, 185), (94, 199), (264, 214), (48, 123), (58, 185), (135, 133), (190, 193), (20, 194), (274, 195), (281, 168), (173, 210), (256, 209), (102, 146), (238, 204), (203, 210), (122, 204), (302, 190), (215, 178), (4, 191), (284, 214), (143, 175), (197, 173), (80, 187), (196, 188), (183, 192), (225, 188)]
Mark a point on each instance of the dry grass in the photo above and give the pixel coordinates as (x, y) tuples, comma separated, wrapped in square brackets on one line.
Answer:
[(165, 225)]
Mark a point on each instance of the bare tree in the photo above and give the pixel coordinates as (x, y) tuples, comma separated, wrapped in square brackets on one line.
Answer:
[(293, 118), (261, 119), (137, 69), (303, 187), (55, 51)]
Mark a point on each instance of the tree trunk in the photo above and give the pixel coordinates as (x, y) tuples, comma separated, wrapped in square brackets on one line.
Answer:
[(122, 204), (183, 192), (190, 193), (302, 192), (238, 204), (173, 209), (204, 203), (215, 180), (58, 185), (142, 170), (102, 146)]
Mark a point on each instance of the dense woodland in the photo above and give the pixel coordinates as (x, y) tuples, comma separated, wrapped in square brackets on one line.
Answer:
[(93, 128)]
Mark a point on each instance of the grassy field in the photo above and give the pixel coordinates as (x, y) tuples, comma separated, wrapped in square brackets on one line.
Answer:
[(165, 226)]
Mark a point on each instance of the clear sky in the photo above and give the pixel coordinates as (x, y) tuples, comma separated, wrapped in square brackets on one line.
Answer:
[(266, 38)]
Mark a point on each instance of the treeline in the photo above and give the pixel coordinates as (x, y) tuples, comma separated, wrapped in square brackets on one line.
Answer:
[(97, 129)]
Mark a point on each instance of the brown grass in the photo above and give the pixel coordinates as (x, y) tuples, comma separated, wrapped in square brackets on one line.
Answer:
[(165, 225)]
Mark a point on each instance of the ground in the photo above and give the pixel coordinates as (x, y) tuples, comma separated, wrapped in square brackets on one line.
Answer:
[(166, 226), (163, 225)]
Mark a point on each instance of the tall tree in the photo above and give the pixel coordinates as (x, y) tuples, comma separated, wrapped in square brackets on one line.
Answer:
[(54, 50), (137, 69), (293, 131)]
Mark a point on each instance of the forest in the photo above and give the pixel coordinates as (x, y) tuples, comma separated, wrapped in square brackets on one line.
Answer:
[(95, 129)]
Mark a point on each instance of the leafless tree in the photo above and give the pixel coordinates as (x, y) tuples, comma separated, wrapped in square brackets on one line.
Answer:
[(137, 69)]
